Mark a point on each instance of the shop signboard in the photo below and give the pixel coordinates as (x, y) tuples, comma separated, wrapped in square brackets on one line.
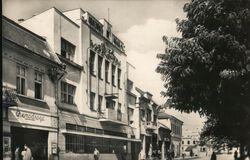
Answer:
[(33, 118)]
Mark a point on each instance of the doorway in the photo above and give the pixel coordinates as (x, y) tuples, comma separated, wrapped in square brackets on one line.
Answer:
[(36, 140)]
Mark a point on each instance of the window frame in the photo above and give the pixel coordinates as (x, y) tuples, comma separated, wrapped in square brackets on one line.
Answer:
[(21, 90), (39, 82), (92, 101), (92, 68), (107, 65), (66, 92), (68, 49), (113, 71), (100, 63), (100, 101), (119, 72)]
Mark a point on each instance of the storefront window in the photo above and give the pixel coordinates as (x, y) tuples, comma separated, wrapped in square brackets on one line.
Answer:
[(87, 144)]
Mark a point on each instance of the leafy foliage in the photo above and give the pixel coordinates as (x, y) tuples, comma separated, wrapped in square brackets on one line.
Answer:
[(208, 69)]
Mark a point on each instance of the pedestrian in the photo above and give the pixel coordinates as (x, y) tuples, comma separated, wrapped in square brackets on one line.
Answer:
[(96, 154), (235, 154), (17, 154), (213, 156), (150, 151), (27, 155), (124, 153)]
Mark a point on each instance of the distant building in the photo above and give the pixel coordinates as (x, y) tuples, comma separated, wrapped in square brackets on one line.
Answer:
[(176, 134), (190, 141)]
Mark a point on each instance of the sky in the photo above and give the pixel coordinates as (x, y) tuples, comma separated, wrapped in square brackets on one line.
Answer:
[(140, 24)]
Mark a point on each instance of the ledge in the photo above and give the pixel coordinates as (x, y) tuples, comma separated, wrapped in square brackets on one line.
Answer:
[(69, 62)]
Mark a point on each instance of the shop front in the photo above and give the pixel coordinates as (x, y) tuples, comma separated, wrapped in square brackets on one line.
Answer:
[(36, 129)]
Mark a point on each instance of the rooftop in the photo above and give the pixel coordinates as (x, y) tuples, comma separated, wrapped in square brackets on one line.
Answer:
[(27, 39)]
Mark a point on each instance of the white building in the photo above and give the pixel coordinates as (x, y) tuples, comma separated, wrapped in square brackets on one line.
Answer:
[(93, 105)]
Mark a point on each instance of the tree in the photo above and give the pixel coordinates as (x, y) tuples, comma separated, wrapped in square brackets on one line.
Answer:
[(207, 70)]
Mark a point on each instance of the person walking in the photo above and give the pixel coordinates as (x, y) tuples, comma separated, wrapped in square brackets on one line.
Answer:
[(235, 154), (96, 154), (213, 156), (27, 155), (124, 153), (17, 154)]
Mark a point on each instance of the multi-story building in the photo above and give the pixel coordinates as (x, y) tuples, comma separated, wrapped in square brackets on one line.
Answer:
[(143, 113), (190, 142), (176, 134), (148, 123), (92, 100), (30, 72)]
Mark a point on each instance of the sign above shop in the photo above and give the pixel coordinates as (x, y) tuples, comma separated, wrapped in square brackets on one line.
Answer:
[(33, 118)]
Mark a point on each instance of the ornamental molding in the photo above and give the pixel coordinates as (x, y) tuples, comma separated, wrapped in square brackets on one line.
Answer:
[(103, 50)]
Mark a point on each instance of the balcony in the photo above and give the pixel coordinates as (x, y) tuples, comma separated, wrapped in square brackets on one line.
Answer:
[(93, 22), (151, 125), (113, 116), (118, 43)]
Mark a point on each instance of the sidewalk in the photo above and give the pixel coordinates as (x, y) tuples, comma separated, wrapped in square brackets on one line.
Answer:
[(187, 158)]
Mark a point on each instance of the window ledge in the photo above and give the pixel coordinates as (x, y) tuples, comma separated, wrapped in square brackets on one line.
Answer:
[(70, 62), (69, 104), (33, 98)]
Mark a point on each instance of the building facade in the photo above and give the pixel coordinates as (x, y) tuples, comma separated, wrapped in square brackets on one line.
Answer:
[(72, 92), (176, 134), (92, 101), (30, 71)]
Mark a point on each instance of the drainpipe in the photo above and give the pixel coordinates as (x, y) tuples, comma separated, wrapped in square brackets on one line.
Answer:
[(57, 110)]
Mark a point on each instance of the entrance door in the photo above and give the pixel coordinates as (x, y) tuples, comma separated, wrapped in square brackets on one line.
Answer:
[(37, 141)]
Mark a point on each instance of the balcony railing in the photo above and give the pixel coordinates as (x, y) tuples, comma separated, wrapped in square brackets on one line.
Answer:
[(151, 125), (117, 42), (111, 115)]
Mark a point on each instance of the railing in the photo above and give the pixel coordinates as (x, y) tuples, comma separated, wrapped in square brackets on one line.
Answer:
[(117, 42), (113, 115)]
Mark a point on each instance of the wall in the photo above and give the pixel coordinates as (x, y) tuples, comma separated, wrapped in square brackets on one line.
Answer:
[(43, 25)]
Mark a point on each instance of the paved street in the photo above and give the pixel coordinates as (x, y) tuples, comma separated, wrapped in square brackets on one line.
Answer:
[(219, 157)]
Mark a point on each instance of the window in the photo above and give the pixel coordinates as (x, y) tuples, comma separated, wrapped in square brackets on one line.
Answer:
[(108, 34), (67, 49), (106, 71), (38, 85), (182, 142), (100, 103), (188, 142), (20, 80), (193, 142), (142, 112), (110, 104), (148, 115), (75, 143), (119, 112), (119, 78), (92, 63), (100, 59), (92, 100), (113, 74), (131, 100), (67, 93)]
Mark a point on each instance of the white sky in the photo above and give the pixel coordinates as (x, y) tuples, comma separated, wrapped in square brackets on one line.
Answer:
[(140, 24)]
